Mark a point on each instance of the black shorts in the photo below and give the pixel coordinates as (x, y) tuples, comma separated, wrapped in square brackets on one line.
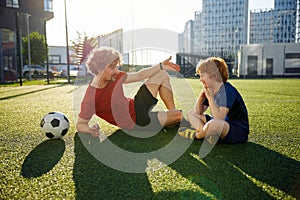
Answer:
[(235, 135), (143, 104)]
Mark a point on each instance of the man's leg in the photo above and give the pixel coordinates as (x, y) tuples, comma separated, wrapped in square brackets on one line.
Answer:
[(160, 84)]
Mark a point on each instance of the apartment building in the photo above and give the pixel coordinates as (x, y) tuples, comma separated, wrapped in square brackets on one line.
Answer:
[(17, 18)]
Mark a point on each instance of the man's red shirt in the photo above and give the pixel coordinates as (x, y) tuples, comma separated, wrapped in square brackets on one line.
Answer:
[(110, 104)]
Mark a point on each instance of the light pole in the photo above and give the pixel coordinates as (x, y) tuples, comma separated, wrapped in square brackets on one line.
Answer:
[(236, 50), (28, 37), (67, 43)]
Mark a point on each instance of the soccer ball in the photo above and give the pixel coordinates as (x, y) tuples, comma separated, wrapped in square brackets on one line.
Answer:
[(55, 125)]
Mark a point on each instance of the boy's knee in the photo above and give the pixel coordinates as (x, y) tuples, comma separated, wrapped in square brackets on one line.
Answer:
[(214, 126), (190, 114)]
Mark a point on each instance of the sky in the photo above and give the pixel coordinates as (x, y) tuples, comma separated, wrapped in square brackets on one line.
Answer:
[(96, 17)]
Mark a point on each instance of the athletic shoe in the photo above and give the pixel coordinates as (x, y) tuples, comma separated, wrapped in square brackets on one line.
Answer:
[(187, 132)]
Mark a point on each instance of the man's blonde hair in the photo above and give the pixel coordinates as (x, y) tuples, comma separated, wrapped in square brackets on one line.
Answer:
[(101, 57)]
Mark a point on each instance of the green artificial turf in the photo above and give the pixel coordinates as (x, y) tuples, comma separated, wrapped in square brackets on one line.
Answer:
[(33, 167)]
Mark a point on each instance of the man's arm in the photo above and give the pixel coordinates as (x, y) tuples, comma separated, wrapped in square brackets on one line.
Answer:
[(83, 126), (148, 72)]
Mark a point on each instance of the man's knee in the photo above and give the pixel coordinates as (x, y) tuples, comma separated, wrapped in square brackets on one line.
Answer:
[(164, 75)]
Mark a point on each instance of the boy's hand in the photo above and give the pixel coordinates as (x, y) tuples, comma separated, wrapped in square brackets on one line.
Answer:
[(209, 93), (202, 95)]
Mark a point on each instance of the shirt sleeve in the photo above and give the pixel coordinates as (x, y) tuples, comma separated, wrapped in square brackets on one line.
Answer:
[(225, 97), (88, 104), (122, 76)]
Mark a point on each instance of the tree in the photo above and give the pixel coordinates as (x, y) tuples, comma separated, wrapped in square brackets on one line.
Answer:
[(83, 46), (37, 48)]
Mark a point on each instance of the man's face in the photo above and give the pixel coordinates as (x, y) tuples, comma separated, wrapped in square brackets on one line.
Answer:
[(111, 71)]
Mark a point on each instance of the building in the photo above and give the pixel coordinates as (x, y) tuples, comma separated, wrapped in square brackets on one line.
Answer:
[(261, 26), (218, 30), (269, 60), (186, 43), (113, 39), (298, 22), (198, 33), (224, 26), (278, 25), (17, 19), (285, 21), (57, 54)]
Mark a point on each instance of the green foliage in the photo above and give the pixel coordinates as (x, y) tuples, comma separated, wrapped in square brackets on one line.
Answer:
[(37, 48), (83, 46), (267, 167)]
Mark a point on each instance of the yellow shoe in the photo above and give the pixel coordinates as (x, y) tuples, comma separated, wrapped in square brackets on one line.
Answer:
[(187, 132)]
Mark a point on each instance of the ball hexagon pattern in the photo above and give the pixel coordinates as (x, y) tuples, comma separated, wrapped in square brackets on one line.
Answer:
[(55, 125)]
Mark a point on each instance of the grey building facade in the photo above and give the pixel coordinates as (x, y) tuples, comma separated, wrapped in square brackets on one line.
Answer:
[(17, 18)]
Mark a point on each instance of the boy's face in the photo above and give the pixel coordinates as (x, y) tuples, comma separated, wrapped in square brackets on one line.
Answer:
[(111, 71), (206, 80)]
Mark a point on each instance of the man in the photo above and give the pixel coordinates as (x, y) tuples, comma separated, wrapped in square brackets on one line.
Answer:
[(105, 96)]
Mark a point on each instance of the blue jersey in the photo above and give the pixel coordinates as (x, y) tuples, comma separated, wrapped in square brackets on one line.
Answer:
[(229, 97)]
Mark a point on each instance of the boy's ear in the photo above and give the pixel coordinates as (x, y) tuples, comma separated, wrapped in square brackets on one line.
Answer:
[(213, 76)]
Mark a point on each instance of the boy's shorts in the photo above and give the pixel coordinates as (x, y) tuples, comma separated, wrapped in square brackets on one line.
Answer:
[(143, 104), (235, 135)]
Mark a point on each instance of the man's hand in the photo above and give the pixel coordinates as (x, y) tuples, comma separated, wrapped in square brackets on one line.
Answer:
[(167, 65), (83, 127)]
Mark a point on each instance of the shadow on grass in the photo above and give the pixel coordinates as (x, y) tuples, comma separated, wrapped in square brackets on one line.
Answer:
[(43, 158), (26, 93), (244, 171)]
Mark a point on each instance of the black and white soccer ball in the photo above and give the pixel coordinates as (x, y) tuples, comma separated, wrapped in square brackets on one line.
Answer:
[(55, 125)]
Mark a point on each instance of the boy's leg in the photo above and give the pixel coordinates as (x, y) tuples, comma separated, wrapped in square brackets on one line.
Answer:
[(216, 127), (205, 127), (197, 121)]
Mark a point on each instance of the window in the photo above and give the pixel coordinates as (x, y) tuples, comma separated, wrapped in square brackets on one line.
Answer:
[(269, 70), (292, 55), (48, 5), (54, 59), (12, 3), (252, 65), (8, 36), (294, 70)]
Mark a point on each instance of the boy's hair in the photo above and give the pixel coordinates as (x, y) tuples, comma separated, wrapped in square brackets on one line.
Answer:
[(214, 67), (101, 57)]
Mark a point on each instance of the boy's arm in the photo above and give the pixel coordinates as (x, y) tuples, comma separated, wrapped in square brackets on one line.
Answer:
[(216, 111), (200, 108), (148, 72), (83, 126)]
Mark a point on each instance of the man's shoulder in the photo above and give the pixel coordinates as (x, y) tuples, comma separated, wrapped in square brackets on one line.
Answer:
[(122, 75)]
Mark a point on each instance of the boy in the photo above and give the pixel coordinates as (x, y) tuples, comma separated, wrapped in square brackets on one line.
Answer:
[(229, 116)]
